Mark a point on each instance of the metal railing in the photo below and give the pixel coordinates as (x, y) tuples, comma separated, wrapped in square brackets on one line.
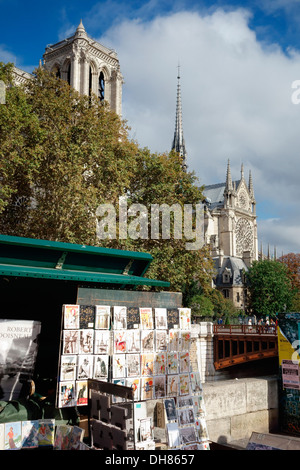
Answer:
[(246, 329)]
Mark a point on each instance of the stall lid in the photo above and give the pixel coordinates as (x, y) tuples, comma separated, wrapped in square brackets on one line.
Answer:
[(35, 258)]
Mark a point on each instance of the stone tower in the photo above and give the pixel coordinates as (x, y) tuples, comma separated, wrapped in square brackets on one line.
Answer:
[(178, 140), (87, 66), (231, 232)]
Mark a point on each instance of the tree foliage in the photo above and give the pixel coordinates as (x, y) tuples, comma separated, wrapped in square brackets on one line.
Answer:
[(270, 288), (62, 155), (292, 262)]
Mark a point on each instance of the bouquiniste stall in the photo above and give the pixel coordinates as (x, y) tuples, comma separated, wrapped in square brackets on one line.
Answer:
[(39, 279)]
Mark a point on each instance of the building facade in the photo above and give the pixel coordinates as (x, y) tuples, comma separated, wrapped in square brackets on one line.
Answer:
[(88, 66)]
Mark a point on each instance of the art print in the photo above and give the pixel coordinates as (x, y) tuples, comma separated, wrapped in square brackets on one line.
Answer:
[(147, 364), (102, 320), (71, 317), (146, 318), (70, 341), (172, 385), (85, 367), (100, 366), (147, 341), (119, 341), (161, 340), (102, 342), (133, 365), (86, 341), (68, 365), (160, 318), (185, 318), (160, 386), (174, 336), (133, 341), (120, 318)]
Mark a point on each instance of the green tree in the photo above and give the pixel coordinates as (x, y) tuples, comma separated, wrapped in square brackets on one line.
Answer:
[(62, 155), (292, 262), (270, 289)]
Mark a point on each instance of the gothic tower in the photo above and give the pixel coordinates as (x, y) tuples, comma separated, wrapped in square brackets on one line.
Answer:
[(88, 66), (231, 232), (178, 140)]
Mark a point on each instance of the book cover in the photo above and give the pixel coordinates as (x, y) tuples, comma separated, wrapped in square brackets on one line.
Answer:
[(146, 388), (133, 341), (119, 365), (184, 384), (146, 318), (66, 394), (185, 402), (169, 404), (13, 435), (30, 431), (68, 364), (185, 340), (184, 362), (161, 340), (187, 435), (85, 366), (196, 384), (198, 403), (101, 366), (46, 432), (120, 318), (186, 416), (185, 318), (160, 315), (87, 316), (147, 364), (201, 429), (133, 365), (102, 342), (133, 317), (76, 439), (160, 388), (172, 385), (70, 342), (172, 363), (173, 318), (134, 383), (81, 392), (160, 363), (146, 429), (71, 317), (173, 435), (147, 340), (2, 431), (86, 341), (174, 336), (119, 341), (102, 317), (62, 437)]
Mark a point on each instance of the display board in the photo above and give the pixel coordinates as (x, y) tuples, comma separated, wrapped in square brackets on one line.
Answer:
[(144, 348), (289, 372)]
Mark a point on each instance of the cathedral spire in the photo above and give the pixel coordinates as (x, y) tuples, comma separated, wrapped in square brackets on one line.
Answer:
[(178, 141), (229, 186), (250, 185)]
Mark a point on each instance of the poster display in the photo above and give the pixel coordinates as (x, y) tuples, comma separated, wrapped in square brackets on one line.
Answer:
[(289, 372), (147, 349)]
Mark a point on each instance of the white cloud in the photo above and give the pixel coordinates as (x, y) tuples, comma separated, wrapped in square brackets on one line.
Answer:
[(236, 99)]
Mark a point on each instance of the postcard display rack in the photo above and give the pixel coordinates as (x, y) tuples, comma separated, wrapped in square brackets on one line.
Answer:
[(146, 350)]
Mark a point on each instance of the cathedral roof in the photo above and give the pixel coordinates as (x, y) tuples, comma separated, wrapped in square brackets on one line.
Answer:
[(214, 194), (236, 267)]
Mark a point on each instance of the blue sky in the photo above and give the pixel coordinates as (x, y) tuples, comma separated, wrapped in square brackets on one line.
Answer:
[(238, 61)]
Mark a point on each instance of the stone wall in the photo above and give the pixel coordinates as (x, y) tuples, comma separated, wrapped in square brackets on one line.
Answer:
[(236, 408)]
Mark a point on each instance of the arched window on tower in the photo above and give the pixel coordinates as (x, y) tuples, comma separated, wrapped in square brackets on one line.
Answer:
[(69, 73), (101, 86), (56, 71), (90, 81)]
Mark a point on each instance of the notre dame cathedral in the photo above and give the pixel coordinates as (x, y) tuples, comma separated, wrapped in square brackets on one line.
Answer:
[(229, 207)]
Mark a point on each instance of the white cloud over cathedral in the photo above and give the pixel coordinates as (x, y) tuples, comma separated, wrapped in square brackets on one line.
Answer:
[(236, 101)]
